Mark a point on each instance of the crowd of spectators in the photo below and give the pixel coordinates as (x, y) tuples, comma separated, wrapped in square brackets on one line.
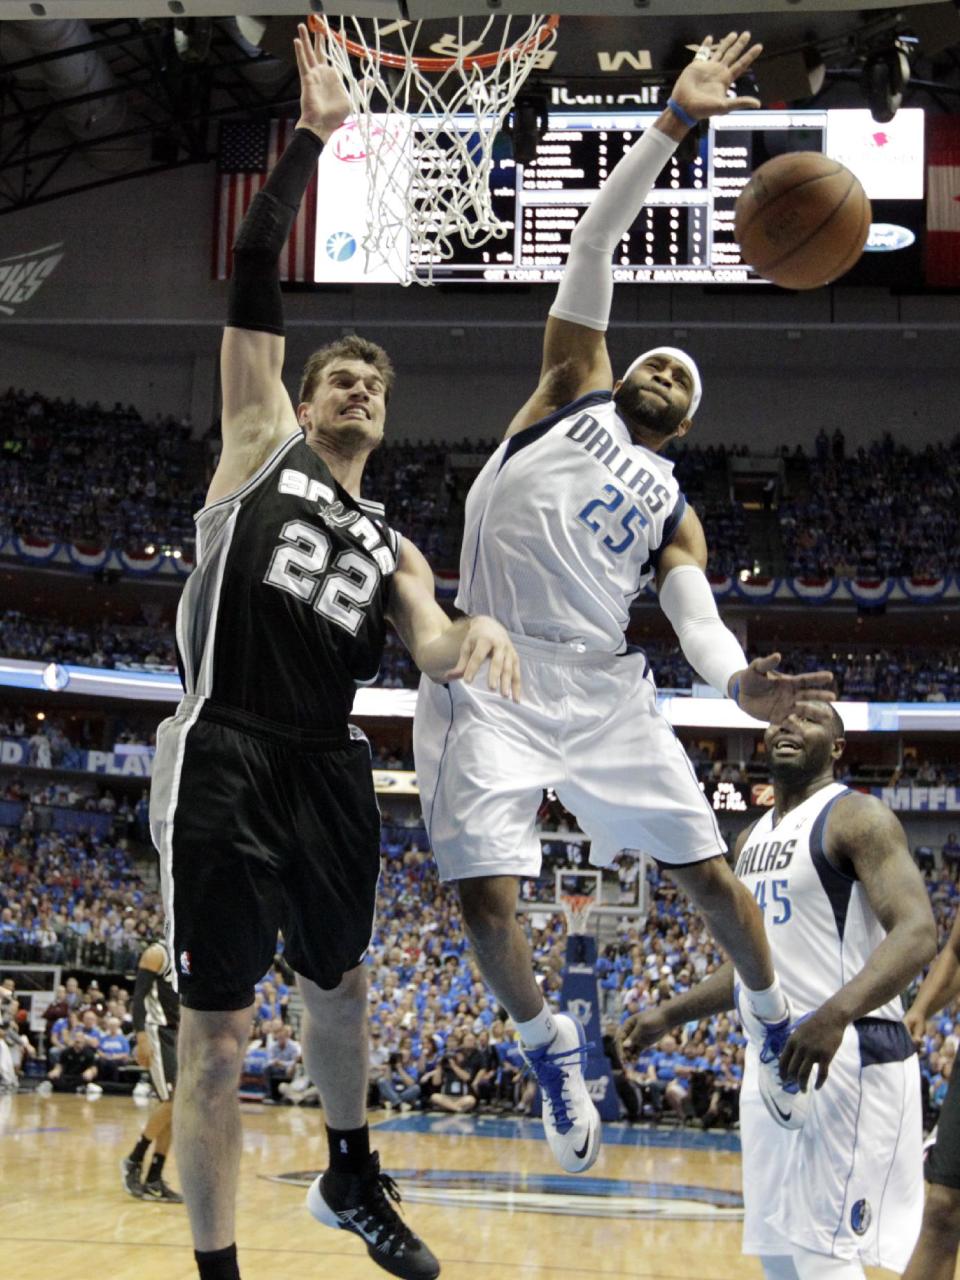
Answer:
[(866, 673), (96, 476), (862, 672), (111, 477), (437, 1038), (74, 899), (104, 645), (882, 511)]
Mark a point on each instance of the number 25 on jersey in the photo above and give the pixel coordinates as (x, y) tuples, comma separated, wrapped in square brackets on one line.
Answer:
[(596, 516)]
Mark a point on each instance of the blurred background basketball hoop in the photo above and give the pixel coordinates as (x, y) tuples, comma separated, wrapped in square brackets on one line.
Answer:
[(576, 909), (429, 108)]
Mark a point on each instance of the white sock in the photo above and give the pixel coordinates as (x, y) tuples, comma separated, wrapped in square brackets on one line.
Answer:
[(768, 1004), (538, 1031), (820, 1266)]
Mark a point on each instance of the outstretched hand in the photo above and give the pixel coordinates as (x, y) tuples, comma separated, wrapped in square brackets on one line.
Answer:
[(324, 103), (641, 1030), (486, 638), (767, 694), (703, 88)]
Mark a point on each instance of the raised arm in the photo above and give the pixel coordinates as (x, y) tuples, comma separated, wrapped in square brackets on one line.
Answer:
[(257, 412), (575, 358), (864, 835)]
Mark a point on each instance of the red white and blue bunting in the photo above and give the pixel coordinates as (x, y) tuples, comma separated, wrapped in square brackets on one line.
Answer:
[(813, 590), (757, 588), (924, 589), (90, 558), (39, 550), (448, 583)]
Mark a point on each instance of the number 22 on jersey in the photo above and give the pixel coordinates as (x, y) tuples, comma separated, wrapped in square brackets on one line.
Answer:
[(299, 563)]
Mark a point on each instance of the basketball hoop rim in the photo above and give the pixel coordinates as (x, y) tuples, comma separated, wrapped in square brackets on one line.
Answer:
[(434, 65)]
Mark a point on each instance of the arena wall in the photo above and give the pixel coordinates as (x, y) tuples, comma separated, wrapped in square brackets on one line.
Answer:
[(131, 312)]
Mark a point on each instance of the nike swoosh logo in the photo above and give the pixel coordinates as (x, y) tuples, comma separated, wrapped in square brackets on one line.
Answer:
[(582, 1151), (784, 1115), (349, 1220)]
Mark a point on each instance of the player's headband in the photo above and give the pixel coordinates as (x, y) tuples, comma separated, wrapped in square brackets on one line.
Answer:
[(675, 354)]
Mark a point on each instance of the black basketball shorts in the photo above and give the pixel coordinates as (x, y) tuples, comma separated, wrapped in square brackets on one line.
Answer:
[(163, 1059), (943, 1161), (261, 827)]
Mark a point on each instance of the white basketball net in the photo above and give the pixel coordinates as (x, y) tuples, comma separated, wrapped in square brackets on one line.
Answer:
[(427, 181), (577, 908)]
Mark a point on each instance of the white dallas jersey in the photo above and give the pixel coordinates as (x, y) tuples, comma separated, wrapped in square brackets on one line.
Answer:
[(819, 923), (564, 527)]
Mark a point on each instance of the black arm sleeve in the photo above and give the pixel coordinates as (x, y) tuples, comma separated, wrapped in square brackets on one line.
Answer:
[(138, 1005), (254, 300)]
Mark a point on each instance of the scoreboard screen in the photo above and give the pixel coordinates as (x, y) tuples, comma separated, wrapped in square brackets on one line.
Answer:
[(684, 233)]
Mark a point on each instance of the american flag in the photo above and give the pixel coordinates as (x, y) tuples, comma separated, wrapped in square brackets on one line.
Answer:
[(943, 201), (247, 152)]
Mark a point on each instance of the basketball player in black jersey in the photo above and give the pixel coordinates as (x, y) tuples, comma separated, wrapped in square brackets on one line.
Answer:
[(156, 1017), (262, 805)]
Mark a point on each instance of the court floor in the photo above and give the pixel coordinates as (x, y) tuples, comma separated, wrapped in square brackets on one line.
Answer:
[(484, 1192)]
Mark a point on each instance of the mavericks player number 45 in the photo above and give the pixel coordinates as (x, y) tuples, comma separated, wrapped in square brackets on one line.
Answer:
[(850, 925)]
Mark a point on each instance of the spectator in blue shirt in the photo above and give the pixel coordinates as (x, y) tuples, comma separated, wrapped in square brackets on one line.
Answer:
[(398, 1086), (114, 1051), (90, 1026), (283, 1054), (60, 1033)]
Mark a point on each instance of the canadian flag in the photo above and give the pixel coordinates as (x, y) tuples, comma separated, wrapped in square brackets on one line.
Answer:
[(943, 200)]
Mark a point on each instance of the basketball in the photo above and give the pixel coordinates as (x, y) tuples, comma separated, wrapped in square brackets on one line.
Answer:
[(802, 220)]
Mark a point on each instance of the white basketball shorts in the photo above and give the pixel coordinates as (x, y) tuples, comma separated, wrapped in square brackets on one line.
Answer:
[(589, 727), (849, 1184)]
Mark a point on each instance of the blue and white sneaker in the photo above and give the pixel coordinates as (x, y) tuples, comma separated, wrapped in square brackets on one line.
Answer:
[(784, 1099), (570, 1120)]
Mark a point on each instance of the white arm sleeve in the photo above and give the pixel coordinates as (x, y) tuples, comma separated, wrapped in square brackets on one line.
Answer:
[(586, 288), (709, 647)]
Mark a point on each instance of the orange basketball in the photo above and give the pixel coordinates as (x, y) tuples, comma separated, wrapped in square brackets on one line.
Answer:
[(802, 220)]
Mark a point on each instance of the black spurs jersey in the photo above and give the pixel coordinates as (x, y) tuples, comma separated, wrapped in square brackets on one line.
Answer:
[(285, 611), (161, 1003)]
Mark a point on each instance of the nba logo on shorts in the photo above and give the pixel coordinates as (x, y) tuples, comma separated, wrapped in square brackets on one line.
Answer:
[(185, 963), (341, 246), (861, 1217)]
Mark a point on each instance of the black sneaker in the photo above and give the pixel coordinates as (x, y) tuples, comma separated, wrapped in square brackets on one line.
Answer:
[(157, 1189), (361, 1204), (130, 1173)]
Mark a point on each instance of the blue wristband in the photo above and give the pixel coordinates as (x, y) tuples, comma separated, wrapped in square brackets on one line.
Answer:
[(683, 116), (735, 693)]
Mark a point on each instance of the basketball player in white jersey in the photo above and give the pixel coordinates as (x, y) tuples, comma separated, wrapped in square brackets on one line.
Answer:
[(571, 517), (849, 924)]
